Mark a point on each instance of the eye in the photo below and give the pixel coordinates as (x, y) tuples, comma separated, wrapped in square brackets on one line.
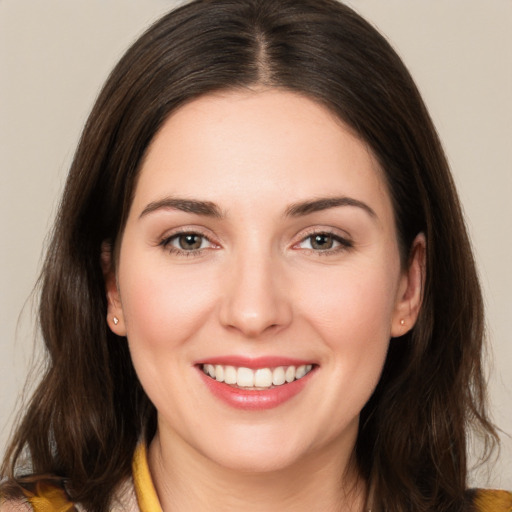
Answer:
[(189, 241), (324, 242), (186, 243)]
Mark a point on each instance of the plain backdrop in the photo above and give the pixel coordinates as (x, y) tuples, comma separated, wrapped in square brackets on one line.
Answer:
[(55, 55)]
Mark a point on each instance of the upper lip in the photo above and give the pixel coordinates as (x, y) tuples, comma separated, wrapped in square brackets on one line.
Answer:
[(254, 362)]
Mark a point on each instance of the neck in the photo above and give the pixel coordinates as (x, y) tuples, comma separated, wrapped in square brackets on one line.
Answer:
[(185, 480)]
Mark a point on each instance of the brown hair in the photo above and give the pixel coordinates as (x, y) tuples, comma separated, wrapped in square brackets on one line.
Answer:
[(89, 411)]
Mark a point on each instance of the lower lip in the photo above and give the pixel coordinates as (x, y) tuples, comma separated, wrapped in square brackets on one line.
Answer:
[(255, 399)]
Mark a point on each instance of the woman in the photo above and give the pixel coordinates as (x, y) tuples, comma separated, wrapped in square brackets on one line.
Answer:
[(260, 292)]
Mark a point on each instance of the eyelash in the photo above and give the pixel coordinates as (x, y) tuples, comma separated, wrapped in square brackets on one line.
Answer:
[(167, 241), (344, 243)]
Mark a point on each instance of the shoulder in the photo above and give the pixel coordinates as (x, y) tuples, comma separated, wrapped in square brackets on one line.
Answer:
[(35, 494), (14, 505), (12, 498), (48, 494), (490, 500)]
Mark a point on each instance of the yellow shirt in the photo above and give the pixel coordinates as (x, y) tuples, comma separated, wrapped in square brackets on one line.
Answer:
[(139, 495), (144, 488)]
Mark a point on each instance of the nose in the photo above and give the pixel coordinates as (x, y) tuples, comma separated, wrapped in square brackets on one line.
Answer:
[(255, 300)]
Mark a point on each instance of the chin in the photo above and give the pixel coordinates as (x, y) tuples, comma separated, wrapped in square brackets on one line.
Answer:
[(256, 460), (253, 451)]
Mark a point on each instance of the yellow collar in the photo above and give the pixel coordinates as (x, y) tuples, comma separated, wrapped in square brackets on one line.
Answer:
[(144, 488), (485, 500)]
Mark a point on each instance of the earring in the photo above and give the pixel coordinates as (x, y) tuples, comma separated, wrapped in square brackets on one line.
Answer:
[(402, 322), (116, 320)]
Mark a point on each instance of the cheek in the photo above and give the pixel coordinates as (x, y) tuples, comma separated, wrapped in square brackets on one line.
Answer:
[(351, 302), (162, 309), (351, 312)]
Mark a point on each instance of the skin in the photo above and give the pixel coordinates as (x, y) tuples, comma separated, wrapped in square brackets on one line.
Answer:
[(258, 287)]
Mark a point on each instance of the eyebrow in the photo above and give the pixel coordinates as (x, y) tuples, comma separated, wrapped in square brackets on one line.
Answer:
[(206, 208), (324, 203), (209, 209)]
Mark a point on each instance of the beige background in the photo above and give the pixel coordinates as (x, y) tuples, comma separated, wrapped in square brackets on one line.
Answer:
[(55, 54)]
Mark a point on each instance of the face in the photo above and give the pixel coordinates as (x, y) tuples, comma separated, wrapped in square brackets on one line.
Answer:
[(259, 280)]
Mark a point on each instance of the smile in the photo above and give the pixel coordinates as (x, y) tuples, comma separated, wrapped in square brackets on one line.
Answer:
[(257, 379), (255, 384)]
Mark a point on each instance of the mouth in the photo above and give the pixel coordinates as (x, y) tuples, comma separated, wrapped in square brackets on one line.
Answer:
[(258, 379), (255, 384)]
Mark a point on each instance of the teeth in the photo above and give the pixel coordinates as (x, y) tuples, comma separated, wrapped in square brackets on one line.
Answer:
[(300, 372), (219, 373), (230, 375), (262, 378), (278, 376), (245, 378)]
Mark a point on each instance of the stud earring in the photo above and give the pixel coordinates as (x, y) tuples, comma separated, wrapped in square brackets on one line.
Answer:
[(402, 322), (116, 320)]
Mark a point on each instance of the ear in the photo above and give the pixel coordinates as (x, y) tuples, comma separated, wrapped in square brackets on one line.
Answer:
[(115, 317), (410, 289)]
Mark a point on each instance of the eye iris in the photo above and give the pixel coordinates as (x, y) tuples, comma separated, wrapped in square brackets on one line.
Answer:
[(322, 242), (190, 242)]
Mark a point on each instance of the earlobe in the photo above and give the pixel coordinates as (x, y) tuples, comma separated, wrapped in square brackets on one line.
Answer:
[(410, 290), (115, 318)]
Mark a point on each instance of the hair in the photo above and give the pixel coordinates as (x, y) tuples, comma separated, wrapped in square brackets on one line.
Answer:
[(89, 411)]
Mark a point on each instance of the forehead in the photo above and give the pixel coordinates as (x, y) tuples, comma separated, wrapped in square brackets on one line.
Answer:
[(266, 145)]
